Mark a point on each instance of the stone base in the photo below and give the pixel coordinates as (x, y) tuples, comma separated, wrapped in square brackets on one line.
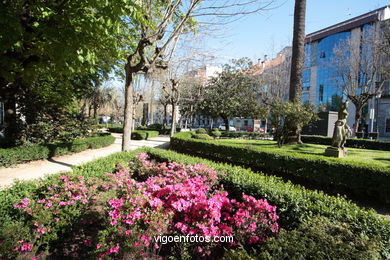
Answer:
[(335, 152)]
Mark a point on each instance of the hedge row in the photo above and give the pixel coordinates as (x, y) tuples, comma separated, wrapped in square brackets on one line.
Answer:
[(143, 134), (249, 135), (351, 142), (357, 178), (136, 134), (296, 205), (15, 155)]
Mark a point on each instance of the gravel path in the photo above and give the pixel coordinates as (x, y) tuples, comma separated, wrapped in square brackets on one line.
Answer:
[(37, 169)]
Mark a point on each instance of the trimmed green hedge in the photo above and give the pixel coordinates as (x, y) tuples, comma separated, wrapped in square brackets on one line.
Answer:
[(248, 135), (359, 179), (136, 134), (15, 155), (115, 129), (143, 134), (202, 136), (295, 204), (351, 142)]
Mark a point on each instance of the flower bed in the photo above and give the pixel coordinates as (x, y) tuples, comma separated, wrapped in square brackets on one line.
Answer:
[(15, 155), (119, 214)]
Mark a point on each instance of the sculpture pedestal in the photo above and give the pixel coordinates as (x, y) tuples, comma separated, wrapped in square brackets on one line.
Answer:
[(336, 152)]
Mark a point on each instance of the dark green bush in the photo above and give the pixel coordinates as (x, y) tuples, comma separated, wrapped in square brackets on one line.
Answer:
[(245, 135), (320, 238), (116, 129), (17, 155), (58, 127), (216, 134), (295, 204), (351, 142), (202, 136), (357, 178), (360, 134), (201, 131), (143, 134)]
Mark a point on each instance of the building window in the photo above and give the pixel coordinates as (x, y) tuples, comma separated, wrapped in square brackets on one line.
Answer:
[(245, 122), (321, 96), (388, 125)]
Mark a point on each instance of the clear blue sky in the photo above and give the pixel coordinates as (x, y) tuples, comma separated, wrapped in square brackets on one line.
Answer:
[(267, 33)]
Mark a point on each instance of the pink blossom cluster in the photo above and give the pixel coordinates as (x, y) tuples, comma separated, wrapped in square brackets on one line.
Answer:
[(184, 196), (150, 199), (48, 212)]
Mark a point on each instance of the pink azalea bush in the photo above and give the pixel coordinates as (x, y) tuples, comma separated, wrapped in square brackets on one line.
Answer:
[(148, 199)]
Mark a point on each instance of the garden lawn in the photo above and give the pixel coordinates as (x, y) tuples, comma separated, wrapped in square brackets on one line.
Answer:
[(359, 156)]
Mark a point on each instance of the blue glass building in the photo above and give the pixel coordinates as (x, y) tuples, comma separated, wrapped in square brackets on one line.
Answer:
[(320, 79)]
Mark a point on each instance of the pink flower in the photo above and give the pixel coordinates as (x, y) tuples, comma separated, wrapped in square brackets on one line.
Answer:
[(98, 246)]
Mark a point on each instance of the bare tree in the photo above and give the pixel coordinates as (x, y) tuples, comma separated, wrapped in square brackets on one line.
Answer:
[(273, 79), (360, 68), (165, 22)]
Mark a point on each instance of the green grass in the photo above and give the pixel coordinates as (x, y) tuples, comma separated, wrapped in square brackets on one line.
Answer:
[(359, 156)]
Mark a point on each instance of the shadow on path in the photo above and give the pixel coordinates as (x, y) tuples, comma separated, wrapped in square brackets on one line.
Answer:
[(61, 163)]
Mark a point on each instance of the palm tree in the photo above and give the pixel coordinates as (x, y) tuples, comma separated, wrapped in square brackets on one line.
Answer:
[(98, 97), (291, 133), (298, 51)]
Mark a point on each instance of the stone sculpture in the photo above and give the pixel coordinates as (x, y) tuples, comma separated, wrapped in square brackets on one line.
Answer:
[(340, 133)]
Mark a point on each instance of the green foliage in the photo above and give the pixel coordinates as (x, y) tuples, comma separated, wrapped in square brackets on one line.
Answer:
[(201, 131), (202, 136), (357, 178), (15, 155), (245, 135), (216, 134), (351, 142), (295, 204), (289, 118), (62, 127), (239, 93), (321, 238), (143, 134)]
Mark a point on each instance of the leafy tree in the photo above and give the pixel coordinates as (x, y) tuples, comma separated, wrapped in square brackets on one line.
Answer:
[(53, 42), (232, 93), (291, 113)]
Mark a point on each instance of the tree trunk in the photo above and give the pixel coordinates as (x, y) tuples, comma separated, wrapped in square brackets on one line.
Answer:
[(95, 108), (128, 115), (291, 132), (226, 120), (298, 51), (145, 113), (165, 116), (358, 117), (151, 102), (10, 130), (173, 126)]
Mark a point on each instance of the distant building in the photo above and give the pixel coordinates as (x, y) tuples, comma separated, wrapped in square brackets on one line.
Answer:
[(319, 84)]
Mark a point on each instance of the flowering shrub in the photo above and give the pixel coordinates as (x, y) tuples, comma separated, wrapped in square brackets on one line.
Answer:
[(144, 200)]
